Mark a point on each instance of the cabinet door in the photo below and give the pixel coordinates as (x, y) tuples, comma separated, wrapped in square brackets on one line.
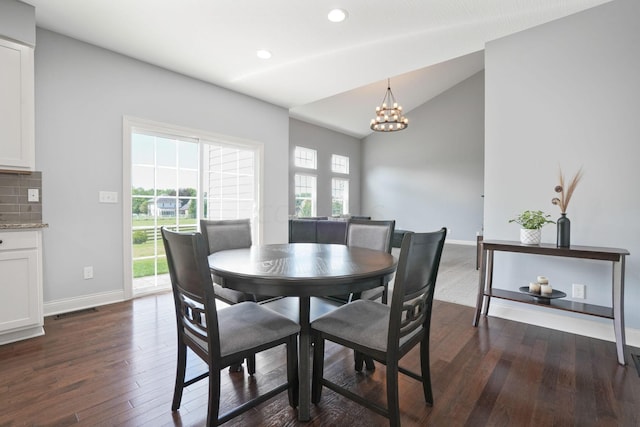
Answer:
[(16, 107), (19, 290)]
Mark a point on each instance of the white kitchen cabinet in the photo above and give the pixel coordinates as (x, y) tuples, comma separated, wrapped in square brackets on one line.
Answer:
[(17, 144), (21, 301)]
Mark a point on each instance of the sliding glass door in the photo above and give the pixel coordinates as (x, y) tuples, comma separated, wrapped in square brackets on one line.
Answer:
[(174, 181)]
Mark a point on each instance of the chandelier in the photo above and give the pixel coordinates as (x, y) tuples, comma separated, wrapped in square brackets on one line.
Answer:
[(389, 116)]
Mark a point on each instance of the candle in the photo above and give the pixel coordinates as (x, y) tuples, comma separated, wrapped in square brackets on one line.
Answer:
[(543, 280), (534, 287), (546, 289)]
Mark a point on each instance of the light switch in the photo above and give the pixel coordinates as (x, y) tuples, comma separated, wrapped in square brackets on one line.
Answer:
[(108, 197), (33, 195)]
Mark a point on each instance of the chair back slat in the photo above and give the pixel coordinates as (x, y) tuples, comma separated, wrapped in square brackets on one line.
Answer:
[(414, 284)]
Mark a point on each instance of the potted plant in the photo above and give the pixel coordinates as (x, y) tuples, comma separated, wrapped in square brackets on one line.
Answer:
[(531, 223)]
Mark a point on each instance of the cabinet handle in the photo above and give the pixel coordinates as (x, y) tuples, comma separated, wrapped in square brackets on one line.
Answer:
[(0, 242)]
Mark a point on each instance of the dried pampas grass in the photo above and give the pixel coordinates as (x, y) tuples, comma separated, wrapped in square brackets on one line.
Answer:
[(565, 196)]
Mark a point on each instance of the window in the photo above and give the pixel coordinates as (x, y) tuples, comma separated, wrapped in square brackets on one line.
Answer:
[(339, 196), (305, 191), (339, 164), (174, 177), (306, 158), (229, 182)]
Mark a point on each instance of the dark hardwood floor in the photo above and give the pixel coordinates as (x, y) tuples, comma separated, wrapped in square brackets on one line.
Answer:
[(115, 367)]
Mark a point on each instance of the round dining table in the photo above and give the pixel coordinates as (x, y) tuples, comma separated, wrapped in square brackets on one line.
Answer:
[(302, 270)]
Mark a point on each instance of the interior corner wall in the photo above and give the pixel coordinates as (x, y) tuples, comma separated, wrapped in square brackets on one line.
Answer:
[(565, 95), (82, 93), (431, 174), (326, 142)]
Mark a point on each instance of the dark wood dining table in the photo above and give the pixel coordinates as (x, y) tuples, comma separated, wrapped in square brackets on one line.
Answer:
[(302, 270)]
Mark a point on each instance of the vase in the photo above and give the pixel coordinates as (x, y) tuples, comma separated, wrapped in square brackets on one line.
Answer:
[(564, 231), (530, 237)]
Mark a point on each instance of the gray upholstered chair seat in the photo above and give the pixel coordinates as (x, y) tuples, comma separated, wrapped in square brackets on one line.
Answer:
[(363, 322), (247, 325)]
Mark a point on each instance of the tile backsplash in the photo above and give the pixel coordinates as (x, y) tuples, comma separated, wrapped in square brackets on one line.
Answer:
[(14, 205)]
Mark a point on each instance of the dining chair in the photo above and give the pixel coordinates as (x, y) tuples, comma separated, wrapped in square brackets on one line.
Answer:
[(369, 234), (220, 235), (387, 332), (372, 234), (222, 337)]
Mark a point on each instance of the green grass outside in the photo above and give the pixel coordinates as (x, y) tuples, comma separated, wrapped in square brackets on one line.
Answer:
[(146, 267)]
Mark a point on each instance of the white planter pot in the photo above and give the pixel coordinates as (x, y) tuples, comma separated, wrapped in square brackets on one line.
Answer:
[(530, 237)]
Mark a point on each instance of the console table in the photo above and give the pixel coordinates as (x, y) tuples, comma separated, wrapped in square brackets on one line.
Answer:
[(613, 255)]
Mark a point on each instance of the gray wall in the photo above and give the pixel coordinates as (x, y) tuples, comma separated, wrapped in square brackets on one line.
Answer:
[(18, 21), (82, 94), (565, 94), (431, 174), (326, 142)]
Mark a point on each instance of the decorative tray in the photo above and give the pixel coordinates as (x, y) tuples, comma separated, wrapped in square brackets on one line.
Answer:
[(543, 298)]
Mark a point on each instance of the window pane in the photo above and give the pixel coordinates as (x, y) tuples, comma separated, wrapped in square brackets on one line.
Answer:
[(339, 196), (305, 158), (230, 185), (166, 152), (305, 191), (339, 164)]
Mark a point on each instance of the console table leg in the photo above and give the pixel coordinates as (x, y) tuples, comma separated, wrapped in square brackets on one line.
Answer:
[(481, 285), (618, 308), (489, 280)]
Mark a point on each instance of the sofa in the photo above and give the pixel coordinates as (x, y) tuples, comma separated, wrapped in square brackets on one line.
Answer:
[(318, 230), (325, 230)]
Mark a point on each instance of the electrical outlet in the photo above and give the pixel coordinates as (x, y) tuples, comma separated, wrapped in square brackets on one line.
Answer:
[(33, 195), (88, 273), (578, 291)]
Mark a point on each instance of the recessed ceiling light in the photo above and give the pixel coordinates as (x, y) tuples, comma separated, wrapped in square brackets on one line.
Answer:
[(337, 15), (263, 54)]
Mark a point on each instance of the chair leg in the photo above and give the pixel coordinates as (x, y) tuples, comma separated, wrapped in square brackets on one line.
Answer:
[(393, 403), (426, 371), (236, 366), (251, 364), (180, 373), (292, 371), (214, 398), (318, 368), (359, 360), (368, 362)]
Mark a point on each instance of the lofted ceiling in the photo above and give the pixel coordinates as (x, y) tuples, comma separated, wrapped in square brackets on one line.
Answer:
[(329, 74)]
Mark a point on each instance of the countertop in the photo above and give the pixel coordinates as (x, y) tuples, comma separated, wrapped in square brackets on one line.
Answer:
[(22, 226)]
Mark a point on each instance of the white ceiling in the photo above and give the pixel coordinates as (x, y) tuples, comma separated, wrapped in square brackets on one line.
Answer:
[(325, 73)]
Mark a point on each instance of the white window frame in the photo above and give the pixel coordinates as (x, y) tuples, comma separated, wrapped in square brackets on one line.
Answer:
[(345, 195), (314, 192), (297, 155), (337, 159)]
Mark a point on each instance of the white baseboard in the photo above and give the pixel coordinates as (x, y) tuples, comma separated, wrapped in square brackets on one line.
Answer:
[(34, 331), (576, 325), (461, 242), (80, 303)]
